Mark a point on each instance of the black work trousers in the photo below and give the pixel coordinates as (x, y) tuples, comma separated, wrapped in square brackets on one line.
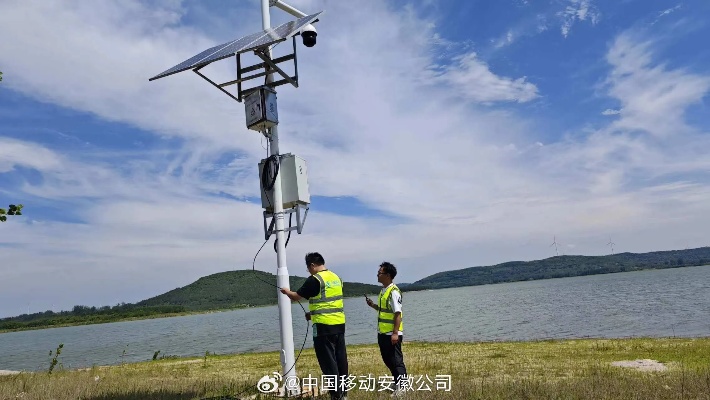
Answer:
[(392, 355), (332, 358)]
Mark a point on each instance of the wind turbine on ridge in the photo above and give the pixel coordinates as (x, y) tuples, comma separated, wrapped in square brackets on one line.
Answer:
[(611, 244), (554, 243)]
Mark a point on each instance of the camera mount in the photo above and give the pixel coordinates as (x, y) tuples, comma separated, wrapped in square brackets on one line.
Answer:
[(260, 44)]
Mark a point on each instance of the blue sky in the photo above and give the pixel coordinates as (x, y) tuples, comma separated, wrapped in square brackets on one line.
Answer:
[(438, 135)]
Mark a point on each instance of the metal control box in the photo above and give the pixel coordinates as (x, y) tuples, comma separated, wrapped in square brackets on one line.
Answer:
[(260, 109), (294, 183)]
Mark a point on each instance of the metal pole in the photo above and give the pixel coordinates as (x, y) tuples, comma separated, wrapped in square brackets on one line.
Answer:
[(282, 277)]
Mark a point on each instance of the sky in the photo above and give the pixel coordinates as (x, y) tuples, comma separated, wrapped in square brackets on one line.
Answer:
[(438, 135)]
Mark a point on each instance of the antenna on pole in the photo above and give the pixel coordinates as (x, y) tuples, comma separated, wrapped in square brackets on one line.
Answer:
[(554, 243), (611, 244), (261, 114)]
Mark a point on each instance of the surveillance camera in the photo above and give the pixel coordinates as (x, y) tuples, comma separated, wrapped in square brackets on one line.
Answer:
[(309, 35)]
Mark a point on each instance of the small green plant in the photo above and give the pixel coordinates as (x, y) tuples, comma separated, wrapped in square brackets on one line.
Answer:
[(54, 360), (12, 210), (155, 355), (207, 353)]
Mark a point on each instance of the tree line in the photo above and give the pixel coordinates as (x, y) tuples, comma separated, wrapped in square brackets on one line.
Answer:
[(562, 267), (81, 315), (220, 291)]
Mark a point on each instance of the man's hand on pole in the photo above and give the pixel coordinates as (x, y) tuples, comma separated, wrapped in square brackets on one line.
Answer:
[(291, 294)]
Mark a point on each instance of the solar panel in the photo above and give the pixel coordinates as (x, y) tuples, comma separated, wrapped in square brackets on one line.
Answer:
[(247, 43), (284, 31)]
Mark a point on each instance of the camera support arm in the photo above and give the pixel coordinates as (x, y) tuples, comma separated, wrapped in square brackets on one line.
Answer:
[(289, 9)]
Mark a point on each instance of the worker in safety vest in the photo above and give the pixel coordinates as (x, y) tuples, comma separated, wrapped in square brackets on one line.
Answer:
[(324, 291), (390, 328)]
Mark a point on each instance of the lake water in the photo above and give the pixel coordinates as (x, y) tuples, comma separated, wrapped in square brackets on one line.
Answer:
[(657, 303)]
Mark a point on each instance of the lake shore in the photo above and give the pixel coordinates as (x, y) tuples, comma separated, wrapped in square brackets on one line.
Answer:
[(409, 289), (579, 368), (154, 316)]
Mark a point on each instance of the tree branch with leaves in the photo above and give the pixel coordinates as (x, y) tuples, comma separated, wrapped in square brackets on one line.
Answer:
[(12, 210)]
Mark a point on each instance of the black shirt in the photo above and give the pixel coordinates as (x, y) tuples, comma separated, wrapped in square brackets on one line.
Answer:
[(309, 289)]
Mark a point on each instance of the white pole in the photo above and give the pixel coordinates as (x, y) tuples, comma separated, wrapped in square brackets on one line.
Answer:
[(265, 18), (282, 277)]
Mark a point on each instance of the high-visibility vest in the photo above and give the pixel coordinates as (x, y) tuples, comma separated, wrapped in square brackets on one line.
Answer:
[(327, 307), (385, 314)]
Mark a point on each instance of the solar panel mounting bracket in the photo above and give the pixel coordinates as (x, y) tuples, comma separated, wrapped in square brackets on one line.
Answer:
[(268, 65), (258, 43)]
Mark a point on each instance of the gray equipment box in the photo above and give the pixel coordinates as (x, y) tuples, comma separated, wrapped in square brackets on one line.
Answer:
[(260, 109), (294, 183)]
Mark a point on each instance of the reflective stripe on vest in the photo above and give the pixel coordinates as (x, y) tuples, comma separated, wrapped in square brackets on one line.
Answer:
[(385, 314), (327, 307)]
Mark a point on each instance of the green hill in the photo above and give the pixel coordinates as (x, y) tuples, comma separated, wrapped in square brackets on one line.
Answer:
[(563, 266), (224, 290), (235, 289), (247, 288)]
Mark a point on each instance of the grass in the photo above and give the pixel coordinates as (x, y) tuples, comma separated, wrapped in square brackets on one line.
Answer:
[(551, 369)]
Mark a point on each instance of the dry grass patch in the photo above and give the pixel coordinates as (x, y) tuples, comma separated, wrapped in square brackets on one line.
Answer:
[(565, 369)]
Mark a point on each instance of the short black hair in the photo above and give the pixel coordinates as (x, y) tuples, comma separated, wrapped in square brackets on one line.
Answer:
[(389, 269), (314, 258)]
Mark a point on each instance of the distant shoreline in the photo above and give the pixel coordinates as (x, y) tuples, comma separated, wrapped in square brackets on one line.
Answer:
[(405, 287), (153, 316)]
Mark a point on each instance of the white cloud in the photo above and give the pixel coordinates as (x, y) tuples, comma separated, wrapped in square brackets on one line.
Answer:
[(669, 10), (564, 12), (100, 69), (653, 97), (577, 10), (665, 13), (649, 142), (17, 153), (542, 24), (505, 40), (477, 82), (385, 124)]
